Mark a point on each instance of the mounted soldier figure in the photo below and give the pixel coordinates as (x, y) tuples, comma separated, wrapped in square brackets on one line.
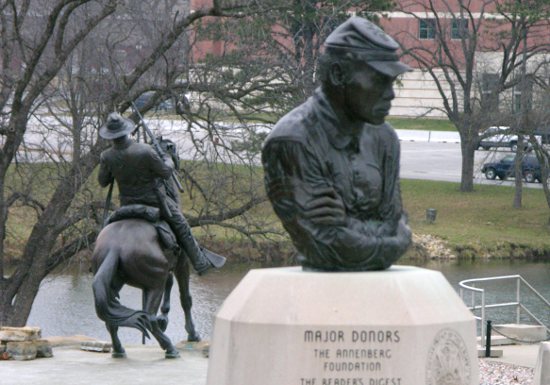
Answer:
[(143, 178)]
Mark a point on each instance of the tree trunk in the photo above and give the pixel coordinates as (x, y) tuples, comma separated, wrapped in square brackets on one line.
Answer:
[(523, 120), (468, 148), (17, 312), (19, 290), (518, 175)]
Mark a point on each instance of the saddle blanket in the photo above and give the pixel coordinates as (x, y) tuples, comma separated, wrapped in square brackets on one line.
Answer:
[(150, 214)]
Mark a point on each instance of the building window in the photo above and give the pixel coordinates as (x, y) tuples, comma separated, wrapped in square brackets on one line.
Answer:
[(489, 91), (518, 97), (459, 29), (426, 28)]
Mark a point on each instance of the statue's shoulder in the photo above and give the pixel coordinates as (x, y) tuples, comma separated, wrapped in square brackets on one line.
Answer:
[(293, 126), (388, 134), (140, 147), (106, 154), (133, 150)]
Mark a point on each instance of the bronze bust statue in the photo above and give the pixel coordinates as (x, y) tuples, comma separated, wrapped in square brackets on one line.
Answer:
[(332, 164)]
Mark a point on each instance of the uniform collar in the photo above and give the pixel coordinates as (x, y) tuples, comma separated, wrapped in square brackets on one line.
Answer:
[(123, 145)]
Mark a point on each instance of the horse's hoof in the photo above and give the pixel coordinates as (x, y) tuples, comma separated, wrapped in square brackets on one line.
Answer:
[(172, 354), (118, 354), (162, 322), (194, 337)]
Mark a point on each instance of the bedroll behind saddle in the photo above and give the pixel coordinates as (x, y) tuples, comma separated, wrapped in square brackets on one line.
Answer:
[(150, 214)]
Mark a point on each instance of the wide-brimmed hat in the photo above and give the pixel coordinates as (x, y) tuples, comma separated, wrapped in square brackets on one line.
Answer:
[(116, 126), (373, 45)]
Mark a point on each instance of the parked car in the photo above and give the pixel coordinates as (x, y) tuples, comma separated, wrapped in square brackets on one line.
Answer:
[(499, 136), (163, 105), (544, 134), (504, 168)]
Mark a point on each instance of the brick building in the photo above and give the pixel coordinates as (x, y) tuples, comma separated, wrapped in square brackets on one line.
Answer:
[(442, 27), (431, 27)]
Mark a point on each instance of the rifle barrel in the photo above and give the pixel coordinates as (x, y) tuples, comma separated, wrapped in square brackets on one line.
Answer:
[(156, 145)]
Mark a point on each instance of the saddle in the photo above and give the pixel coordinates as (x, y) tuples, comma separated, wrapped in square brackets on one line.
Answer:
[(151, 215)]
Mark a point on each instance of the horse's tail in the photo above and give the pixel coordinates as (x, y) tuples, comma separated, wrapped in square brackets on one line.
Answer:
[(107, 306)]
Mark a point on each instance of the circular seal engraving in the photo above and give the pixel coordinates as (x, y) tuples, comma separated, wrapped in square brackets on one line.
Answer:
[(448, 361)]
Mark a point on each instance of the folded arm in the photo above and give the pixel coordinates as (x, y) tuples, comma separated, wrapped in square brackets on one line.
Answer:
[(315, 216)]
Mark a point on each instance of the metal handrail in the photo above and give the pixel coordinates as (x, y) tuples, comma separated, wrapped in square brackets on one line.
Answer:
[(469, 285)]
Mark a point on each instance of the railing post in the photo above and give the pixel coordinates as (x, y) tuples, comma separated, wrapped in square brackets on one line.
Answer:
[(488, 341), (518, 300), (470, 285), (483, 329)]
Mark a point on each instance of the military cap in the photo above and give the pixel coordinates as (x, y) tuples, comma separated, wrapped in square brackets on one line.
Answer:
[(116, 126), (366, 39)]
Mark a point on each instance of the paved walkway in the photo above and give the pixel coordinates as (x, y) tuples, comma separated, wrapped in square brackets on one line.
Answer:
[(522, 355), (143, 365), (147, 365)]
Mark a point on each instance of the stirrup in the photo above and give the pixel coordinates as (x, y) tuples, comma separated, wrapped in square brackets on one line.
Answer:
[(215, 260)]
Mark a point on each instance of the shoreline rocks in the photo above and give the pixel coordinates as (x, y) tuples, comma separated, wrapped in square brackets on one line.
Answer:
[(430, 247)]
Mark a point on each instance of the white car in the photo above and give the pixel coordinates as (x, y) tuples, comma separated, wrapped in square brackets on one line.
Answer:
[(500, 136)]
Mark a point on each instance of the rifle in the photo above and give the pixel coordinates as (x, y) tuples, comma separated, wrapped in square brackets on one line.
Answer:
[(156, 145), (107, 205)]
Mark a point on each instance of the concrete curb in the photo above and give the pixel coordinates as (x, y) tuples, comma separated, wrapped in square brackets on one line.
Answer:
[(428, 136)]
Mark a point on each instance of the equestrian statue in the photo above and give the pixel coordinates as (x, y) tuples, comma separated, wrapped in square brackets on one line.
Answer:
[(147, 242)]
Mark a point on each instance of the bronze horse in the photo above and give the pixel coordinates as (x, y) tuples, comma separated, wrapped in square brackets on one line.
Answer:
[(129, 252)]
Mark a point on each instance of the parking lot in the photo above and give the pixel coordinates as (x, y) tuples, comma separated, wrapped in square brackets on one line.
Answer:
[(427, 155), (442, 161)]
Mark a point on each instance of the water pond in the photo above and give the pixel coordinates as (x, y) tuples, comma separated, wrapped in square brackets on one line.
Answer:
[(64, 305)]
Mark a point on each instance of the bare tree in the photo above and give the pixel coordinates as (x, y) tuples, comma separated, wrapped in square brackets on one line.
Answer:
[(473, 52), (67, 53), (283, 43), (264, 66), (529, 20), (540, 138)]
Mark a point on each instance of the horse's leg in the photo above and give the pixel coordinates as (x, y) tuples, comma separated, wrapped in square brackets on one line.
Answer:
[(152, 303), (182, 276), (118, 350), (165, 307)]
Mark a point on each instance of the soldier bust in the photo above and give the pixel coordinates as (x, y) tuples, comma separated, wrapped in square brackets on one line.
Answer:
[(332, 164)]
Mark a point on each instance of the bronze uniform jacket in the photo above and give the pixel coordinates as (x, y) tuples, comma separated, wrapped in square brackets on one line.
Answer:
[(136, 168), (305, 152)]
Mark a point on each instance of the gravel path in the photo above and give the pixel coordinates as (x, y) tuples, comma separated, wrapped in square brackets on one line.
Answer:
[(497, 373)]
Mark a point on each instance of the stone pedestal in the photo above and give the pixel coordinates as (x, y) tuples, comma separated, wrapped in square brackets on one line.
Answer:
[(542, 368), (402, 326)]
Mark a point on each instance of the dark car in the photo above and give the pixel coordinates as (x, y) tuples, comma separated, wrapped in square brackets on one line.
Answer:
[(504, 168), (544, 134)]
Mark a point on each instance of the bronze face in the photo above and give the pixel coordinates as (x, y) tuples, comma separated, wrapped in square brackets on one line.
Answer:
[(368, 94)]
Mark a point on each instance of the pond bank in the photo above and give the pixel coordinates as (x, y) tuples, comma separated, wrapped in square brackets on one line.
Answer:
[(424, 247)]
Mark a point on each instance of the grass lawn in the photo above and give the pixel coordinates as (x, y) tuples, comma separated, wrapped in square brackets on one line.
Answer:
[(481, 220), (421, 124), (477, 224), (481, 223)]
